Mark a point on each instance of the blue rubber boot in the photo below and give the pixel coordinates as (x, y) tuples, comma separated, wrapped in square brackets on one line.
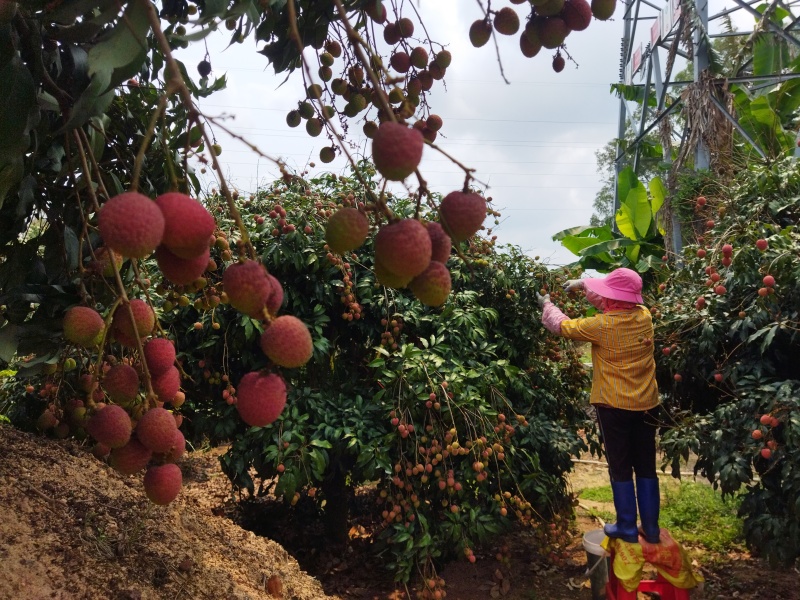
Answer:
[(625, 505), (649, 503)]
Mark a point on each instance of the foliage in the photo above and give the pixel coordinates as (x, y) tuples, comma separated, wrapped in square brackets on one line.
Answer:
[(635, 245), (698, 514), (478, 380), (732, 348)]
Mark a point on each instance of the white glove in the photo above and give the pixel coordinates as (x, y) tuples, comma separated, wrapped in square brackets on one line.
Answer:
[(542, 299), (573, 285)]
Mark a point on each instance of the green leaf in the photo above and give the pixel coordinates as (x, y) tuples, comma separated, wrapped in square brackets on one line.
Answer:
[(608, 246), (626, 181), (601, 233), (634, 216), (18, 91), (321, 444), (658, 192)]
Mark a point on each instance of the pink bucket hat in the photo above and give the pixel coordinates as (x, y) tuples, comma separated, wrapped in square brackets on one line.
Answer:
[(622, 284)]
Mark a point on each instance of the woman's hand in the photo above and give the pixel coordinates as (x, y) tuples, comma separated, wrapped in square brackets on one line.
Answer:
[(573, 285), (542, 299)]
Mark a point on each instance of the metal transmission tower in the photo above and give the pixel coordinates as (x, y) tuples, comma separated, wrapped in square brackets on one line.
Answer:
[(656, 34)]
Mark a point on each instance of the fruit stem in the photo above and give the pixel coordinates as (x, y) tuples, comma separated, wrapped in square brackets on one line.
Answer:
[(148, 135)]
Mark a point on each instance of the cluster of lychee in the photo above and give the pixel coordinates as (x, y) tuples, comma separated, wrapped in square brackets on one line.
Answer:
[(347, 296), (770, 422), (549, 23), (391, 334)]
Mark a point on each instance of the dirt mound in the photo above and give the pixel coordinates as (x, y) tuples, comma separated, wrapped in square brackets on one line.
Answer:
[(73, 528)]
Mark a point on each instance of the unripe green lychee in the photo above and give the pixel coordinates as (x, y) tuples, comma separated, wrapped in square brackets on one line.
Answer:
[(162, 483), (167, 384), (121, 383), (603, 9), (462, 214), (550, 8), (156, 429), (111, 425), (287, 342), (306, 110), (181, 271), (443, 58), (529, 43), (327, 154), (83, 326), (103, 264), (293, 118), (577, 14), (131, 224), (248, 287), (346, 230), (403, 248), (123, 328), (479, 32), (419, 57), (188, 226), (260, 398), (314, 127), (506, 21), (396, 150), (130, 458), (432, 286), (441, 244)]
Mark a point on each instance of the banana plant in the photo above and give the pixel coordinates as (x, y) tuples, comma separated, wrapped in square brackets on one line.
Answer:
[(637, 241)]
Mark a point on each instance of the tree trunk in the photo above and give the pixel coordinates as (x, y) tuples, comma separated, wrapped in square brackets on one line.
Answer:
[(337, 507)]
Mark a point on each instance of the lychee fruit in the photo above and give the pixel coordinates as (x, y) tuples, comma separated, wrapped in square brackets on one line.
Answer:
[(441, 244), (405, 27), (275, 300), (260, 398), (162, 483), (761, 244), (550, 8), (156, 429), (769, 281), (131, 224), (403, 248), (159, 353), (248, 287), (552, 31), (577, 14), (346, 230), (187, 225), (480, 32), (603, 9), (419, 57), (434, 122), (130, 458), (287, 342), (396, 150), (506, 21), (111, 425), (558, 63), (376, 10), (167, 384), (389, 279), (102, 263), (400, 61), (178, 448), (121, 383), (181, 271), (432, 286), (529, 43), (462, 214), (83, 326), (124, 329), (47, 420)]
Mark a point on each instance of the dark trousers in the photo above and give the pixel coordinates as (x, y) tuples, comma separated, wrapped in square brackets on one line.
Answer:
[(629, 437)]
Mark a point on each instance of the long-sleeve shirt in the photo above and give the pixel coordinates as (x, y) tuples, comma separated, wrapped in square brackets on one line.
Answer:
[(623, 363)]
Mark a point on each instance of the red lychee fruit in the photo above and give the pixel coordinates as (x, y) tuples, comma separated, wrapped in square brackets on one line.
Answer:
[(159, 353), (761, 244), (123, 327), (419, 57), (181, 271), (121, 383), (506, 21), (701, 201), (434, 122), (391, 35), (603, 9), (376, 10), (178, 448), (162, 483), (577, 14), (102, 263), (462, 214), (131, 224), (396, 150), (287, 342), (480, 32), (432, 286), (156, 429), (401, 62), (167, 384), (405, 27), (188, 226), (248, 287), (389, 279), (101, 451), (47, 420), (529, 43), (260, 398), (346, 230), (403, 248), (130, 458), (551, 31), (558, 63), (275, 299), (111, 425), (769, 280), (83, 326), (701, 253), (441, 244)]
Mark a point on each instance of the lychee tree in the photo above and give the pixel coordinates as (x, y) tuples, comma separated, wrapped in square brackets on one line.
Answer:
[(727, 337)]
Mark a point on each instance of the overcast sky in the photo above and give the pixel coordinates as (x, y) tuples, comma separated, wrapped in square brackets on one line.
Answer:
[(533, 141)]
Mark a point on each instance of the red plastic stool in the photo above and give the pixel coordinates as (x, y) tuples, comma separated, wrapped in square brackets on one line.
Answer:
[(667, 591)]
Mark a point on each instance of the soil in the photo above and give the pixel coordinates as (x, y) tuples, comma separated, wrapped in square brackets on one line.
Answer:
[(73, 528)]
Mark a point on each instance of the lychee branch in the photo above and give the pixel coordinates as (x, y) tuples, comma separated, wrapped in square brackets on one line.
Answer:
[(148, 135)]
